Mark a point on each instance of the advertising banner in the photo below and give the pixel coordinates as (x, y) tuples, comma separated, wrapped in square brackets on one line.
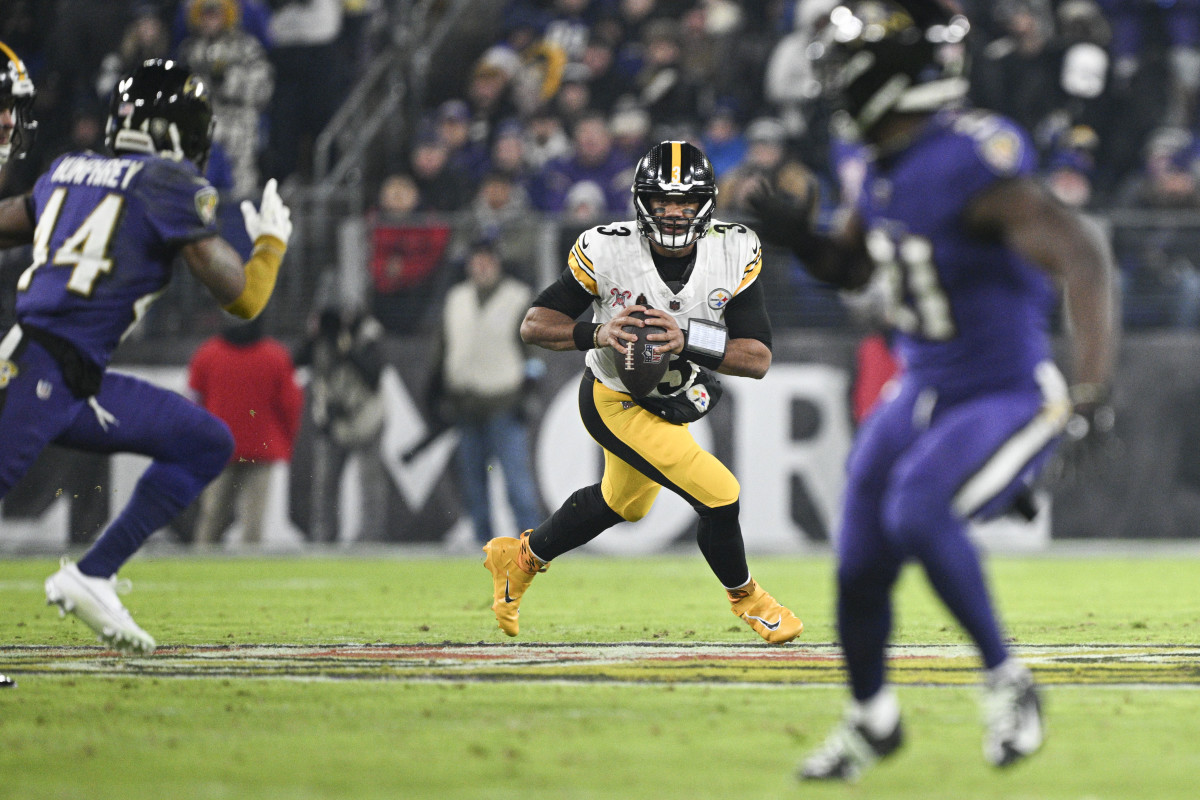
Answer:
[(786, 438)]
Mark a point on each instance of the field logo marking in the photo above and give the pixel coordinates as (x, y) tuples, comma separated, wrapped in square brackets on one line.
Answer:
[(649, 662)]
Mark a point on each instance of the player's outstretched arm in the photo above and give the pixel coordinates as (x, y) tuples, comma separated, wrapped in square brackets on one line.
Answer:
[(16, 223), (244, 289), (1074, 252), (840, 258), (215, 263)]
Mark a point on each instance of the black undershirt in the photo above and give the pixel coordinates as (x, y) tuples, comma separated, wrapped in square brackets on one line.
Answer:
[(745, 315), (674, 270)]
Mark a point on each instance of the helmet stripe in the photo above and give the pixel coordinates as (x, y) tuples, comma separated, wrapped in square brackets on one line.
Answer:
[(676, 162), (16, 61)]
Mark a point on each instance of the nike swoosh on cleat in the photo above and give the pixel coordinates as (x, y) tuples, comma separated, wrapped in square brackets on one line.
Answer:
[(508, 599), (768, 625)]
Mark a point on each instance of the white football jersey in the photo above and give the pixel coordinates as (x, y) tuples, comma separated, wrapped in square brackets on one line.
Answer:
[(614, 264)]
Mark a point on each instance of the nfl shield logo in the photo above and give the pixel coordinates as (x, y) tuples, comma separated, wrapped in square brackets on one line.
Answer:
[(674, 305)]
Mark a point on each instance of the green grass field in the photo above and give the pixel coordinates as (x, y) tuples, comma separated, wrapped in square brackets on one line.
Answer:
[(385, 677)]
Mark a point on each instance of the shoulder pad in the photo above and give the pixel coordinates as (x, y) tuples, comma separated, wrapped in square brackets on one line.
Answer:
[(999, 142)]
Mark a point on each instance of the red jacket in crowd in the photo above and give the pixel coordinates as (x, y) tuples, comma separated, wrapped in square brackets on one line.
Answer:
[(252, 388)]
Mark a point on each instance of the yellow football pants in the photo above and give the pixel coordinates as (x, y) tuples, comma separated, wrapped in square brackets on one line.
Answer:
[(643, 453)]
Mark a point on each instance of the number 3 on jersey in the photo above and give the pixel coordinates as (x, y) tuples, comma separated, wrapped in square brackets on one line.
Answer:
[(916, 301), (87, 248)]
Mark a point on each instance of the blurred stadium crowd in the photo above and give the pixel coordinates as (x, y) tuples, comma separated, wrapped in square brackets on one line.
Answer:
[(534, 113)]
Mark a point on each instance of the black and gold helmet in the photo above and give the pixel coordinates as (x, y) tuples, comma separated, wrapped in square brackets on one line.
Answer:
[(16, 95), (161, 109), (883, 56), (677, 170)]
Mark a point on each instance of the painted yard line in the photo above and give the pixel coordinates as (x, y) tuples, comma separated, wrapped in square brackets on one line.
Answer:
[(18, 585), (619, 662), (284, 648), (247, 584), (706, 686)]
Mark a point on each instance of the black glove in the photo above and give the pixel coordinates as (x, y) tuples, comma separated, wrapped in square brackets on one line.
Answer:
[(784, 220), (1089, 441)]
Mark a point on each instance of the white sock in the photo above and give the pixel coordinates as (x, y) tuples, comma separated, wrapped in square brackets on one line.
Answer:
[(879, 714), (1008, 670)]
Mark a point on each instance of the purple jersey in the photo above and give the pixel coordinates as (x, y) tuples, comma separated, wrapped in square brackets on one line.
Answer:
[(968, 311), (108, 230)]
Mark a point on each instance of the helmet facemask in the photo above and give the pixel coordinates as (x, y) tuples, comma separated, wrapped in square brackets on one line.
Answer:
[(674, 232)]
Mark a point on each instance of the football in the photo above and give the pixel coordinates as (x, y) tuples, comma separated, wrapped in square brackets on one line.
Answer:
[(641, 369)]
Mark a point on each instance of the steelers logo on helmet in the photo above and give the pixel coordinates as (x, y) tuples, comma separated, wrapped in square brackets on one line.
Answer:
[(883, 56), (16, 95), (670, 175)]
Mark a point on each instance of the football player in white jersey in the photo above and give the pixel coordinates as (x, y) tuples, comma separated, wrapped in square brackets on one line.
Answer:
[(696, 279)]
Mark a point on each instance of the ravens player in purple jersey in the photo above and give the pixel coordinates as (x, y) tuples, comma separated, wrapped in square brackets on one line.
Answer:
[(968, 248), (106, 230)]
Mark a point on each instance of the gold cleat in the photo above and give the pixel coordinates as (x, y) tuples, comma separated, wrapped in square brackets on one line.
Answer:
[(764, 614), (513, 566)]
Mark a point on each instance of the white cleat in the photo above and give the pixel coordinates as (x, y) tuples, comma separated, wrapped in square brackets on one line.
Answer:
[(94, 601), (849, 752), (1012, 718)]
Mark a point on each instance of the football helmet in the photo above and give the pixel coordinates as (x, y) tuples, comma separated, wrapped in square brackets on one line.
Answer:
[(680, 171), (16, 95), (161, 109), (884, 56)]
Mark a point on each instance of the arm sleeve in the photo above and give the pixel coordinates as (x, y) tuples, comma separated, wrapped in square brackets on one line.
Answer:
[(565, 295), (746, 315)]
